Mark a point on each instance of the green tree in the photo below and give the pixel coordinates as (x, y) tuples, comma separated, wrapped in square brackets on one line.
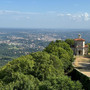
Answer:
[(60, 83), (63, 51), (46, 65), (21, 82), (40, 70), (70, 42), (89, 47)]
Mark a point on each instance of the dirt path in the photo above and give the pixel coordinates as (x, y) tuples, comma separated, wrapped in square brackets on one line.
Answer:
[(82, 64)]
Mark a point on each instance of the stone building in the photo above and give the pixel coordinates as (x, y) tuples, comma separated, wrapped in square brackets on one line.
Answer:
[(80, 48)]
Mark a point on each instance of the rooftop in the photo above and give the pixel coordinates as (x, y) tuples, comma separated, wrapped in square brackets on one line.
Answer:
[(86, 46), (79, 39)]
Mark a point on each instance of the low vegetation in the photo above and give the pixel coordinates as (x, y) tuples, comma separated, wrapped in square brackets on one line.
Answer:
[(89, 47)]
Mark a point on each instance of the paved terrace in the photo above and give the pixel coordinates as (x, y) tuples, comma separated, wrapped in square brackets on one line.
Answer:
[(82, 64)]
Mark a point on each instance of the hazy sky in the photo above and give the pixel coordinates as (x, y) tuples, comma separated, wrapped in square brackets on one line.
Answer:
[(45, 13)]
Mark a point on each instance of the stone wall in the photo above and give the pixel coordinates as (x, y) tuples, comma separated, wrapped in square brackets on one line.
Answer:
[(76, 75)]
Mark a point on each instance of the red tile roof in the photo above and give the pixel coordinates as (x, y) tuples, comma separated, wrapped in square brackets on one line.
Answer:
[(86, 45), (79, 39)]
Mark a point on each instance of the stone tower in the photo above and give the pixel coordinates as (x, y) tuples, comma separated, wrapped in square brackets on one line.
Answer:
[(79, 47)]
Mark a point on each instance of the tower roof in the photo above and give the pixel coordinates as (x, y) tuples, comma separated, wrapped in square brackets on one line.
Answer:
[(79, 38)]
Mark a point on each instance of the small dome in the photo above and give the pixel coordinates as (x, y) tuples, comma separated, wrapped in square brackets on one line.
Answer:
[(79, 36)]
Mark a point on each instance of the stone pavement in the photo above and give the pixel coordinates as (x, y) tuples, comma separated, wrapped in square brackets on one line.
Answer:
[(82, 64)]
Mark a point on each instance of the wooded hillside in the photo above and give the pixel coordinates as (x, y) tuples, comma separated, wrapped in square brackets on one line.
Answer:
[(44, 70)]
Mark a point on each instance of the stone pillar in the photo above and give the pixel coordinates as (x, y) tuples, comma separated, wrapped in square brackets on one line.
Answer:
[(83, 51)]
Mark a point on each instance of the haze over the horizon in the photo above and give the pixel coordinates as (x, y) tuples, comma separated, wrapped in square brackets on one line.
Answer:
[(45, 13)]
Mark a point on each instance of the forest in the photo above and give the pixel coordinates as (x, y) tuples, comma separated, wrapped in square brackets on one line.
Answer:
[(42, 70)]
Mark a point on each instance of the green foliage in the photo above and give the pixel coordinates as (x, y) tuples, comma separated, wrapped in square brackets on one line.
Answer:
[(46, 65), (23, 64), (61, 50), (70, 42), (21, 82), (40, 70), (17, 74), (60, 83), (89, 47)]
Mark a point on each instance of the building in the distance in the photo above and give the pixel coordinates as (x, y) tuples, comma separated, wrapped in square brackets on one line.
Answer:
[(80, 48)]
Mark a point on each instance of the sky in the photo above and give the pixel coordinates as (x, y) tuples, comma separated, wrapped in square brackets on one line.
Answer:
[(45, 14)]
